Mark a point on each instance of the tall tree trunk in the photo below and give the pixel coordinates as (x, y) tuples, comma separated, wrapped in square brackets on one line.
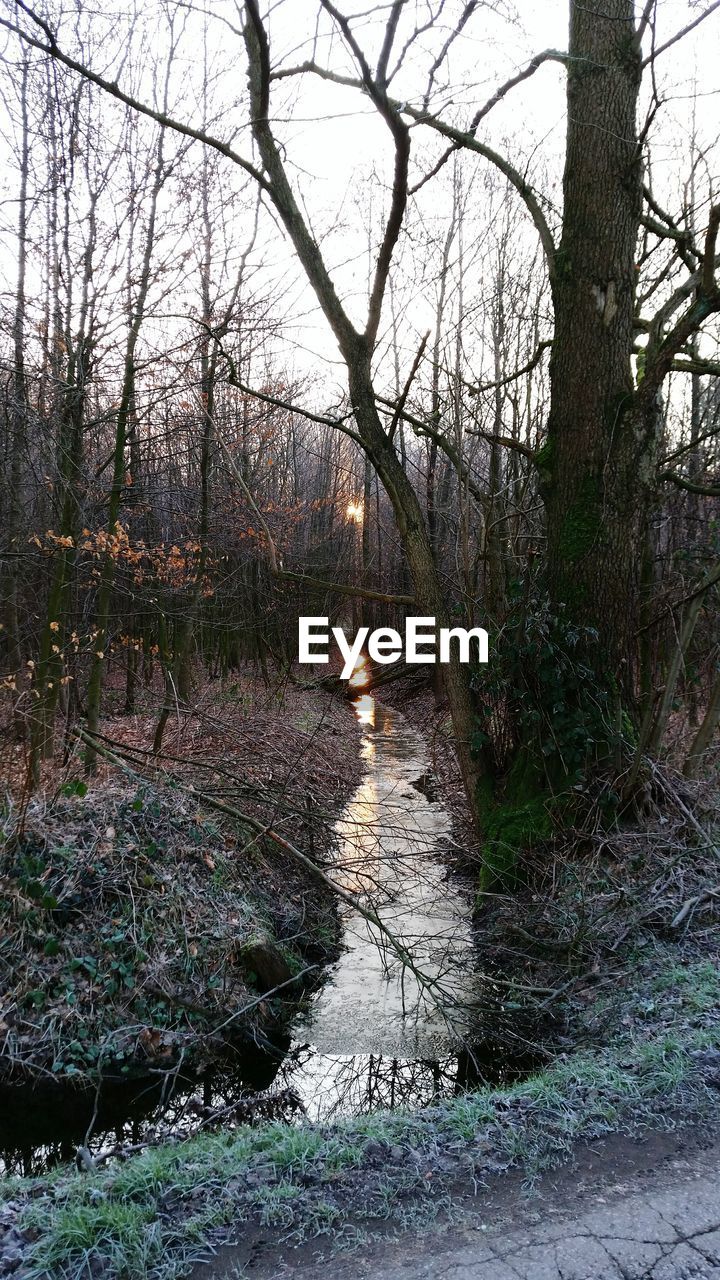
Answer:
[(597, 464), (127, 397), (18, 423)]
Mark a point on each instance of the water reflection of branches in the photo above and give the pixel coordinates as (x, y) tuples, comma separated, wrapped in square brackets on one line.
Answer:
[(387, 858), (363, 1083)]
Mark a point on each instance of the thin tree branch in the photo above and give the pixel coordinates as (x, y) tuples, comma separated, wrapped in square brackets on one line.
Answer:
[(678, 232), (711, 368), (708, 491), (460, 137), (310, 67), (53, 50), (661, 354), (523, 188), (339, 424), (709, 580), (278, 186), (665, 228), (390, 33), (506, 441), (481, 387), (692, 444), (680, 34), (644, 20), (401, 138), (457, 28), (548, 55), (408, 384), (424, 429)]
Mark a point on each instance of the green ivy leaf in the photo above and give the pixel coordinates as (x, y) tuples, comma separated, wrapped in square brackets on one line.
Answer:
[(74, 788)]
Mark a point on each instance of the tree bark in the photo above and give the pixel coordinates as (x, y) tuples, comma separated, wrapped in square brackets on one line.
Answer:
[(597, 467)]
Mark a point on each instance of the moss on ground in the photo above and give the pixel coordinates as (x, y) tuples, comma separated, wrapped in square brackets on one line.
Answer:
[(514, 821)]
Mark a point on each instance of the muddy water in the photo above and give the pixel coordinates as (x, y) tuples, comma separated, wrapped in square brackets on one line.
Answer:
[(378, 1033)]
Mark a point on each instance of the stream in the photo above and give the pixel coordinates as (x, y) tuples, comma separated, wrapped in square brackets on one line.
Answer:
[(377, 1034), (381, 1035)]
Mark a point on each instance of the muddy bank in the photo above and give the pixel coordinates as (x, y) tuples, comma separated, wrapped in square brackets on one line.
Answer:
[(594, 910)]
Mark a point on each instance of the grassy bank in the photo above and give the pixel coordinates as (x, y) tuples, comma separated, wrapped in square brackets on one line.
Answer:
[(152, 1216)]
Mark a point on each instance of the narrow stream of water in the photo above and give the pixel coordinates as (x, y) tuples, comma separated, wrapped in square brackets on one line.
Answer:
[(381, 1033), (376, 1034), (389, 852)]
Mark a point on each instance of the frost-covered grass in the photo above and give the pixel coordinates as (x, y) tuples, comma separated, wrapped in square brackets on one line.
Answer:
[(149, 1217)]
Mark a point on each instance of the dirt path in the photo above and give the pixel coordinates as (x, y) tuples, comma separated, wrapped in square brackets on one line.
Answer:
[(622, 1210)]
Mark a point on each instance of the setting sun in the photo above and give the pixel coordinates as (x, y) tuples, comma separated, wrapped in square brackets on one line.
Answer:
[(354, 511), (365, 710), (361, 675)]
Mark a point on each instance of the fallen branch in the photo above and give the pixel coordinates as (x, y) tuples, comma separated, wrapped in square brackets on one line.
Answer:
[(397, 672), (671, 791), (689, 908)]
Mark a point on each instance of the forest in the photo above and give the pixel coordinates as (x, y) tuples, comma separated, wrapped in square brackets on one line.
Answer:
[(362, 319)]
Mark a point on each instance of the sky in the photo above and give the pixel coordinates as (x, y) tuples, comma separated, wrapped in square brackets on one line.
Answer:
[(339, 153), (335, 143)]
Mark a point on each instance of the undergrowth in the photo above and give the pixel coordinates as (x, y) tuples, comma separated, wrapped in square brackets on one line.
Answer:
[(547, 734), (124, 917)]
